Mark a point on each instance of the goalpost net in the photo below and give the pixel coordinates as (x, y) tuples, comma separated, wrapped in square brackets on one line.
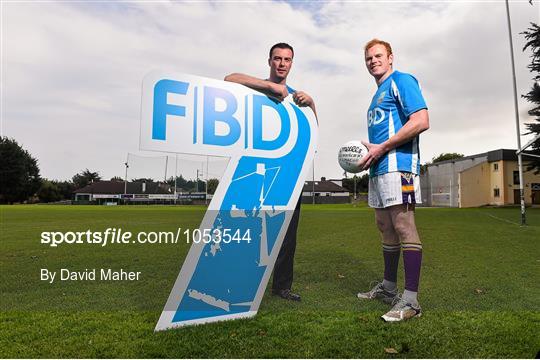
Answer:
[(196, 177)]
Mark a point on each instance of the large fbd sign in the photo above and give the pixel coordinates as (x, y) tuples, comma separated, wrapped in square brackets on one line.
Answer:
[(271, 146)]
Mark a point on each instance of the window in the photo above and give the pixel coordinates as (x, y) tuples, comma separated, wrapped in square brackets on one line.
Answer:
[(495, 167), (496, 193), (516, 177)]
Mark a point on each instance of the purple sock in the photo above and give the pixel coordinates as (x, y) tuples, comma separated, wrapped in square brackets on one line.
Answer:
[(412, 261), (391, 261)]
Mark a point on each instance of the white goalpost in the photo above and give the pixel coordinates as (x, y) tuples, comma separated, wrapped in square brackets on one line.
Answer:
[(168, 169)]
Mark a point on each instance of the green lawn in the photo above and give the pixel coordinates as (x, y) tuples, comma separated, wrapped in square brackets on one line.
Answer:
[(479, 288)]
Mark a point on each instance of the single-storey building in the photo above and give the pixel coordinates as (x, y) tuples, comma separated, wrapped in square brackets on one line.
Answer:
[(140, 192), (490, 178), (324, 192)]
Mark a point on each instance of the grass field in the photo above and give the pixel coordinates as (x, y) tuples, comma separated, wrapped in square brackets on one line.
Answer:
[(479, 289)]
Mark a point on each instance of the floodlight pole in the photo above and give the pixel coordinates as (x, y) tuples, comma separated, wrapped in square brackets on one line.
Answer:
[(206, 187), (125, 177), (175, 176), (166, 165), (312, 184), (520, 164), (354, 178)]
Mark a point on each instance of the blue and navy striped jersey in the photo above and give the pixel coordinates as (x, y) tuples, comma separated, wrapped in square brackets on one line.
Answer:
[(396, 99)]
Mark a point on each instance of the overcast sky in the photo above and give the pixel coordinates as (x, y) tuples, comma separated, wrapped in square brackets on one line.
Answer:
[(72, 71)]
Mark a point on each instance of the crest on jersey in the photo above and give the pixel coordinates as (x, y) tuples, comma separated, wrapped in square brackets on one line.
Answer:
[(381, 98)]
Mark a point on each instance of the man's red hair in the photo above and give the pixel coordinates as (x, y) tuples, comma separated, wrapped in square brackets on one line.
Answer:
[(374, 42)]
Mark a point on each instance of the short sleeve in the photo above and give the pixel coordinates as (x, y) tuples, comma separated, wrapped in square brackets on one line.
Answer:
[(290, 90), (409, 94)]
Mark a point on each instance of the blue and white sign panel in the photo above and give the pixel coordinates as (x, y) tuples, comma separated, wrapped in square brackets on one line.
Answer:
[(271, 146)]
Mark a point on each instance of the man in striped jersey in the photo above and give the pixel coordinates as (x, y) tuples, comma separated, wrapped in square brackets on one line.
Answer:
[(396, 117)]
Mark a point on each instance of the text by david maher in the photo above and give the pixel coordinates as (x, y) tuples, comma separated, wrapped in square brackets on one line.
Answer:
[(89, 275)]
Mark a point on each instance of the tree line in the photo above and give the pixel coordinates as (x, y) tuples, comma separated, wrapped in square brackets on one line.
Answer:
[(20, 179), (532, 35)]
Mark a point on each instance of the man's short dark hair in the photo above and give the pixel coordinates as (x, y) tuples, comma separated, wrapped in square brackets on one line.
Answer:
[(280, 46)]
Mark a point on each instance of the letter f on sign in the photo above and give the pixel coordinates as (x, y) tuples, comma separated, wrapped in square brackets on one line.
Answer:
[(162, 108)]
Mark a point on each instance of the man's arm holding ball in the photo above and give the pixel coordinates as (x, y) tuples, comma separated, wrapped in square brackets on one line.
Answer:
[(417, 123)]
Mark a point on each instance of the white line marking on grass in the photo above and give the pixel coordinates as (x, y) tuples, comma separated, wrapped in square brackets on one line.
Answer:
[(498, 218)]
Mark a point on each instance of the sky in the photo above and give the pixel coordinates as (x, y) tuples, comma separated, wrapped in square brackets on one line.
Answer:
[(71, 71)]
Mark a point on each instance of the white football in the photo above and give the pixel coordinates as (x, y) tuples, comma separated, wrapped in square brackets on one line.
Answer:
[(349, 155)]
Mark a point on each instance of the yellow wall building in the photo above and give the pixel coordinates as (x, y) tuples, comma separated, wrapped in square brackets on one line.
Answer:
[(491, 178)]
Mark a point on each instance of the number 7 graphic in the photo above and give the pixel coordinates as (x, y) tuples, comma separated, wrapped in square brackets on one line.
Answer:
[(270, 145)]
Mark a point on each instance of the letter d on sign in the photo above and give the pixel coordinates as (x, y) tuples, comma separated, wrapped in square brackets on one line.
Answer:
[(256, 195)]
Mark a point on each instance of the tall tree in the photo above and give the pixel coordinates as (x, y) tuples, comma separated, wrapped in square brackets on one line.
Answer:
[(84, 178), (362, 183), (198, 185), (212, 185), (532, 35), (446, 156), (49, 192), (19, 172), (146, 180), (65, 188), (180, 182)]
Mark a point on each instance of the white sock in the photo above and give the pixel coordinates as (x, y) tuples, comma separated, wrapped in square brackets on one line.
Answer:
[(389, 285), (411, 297)]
